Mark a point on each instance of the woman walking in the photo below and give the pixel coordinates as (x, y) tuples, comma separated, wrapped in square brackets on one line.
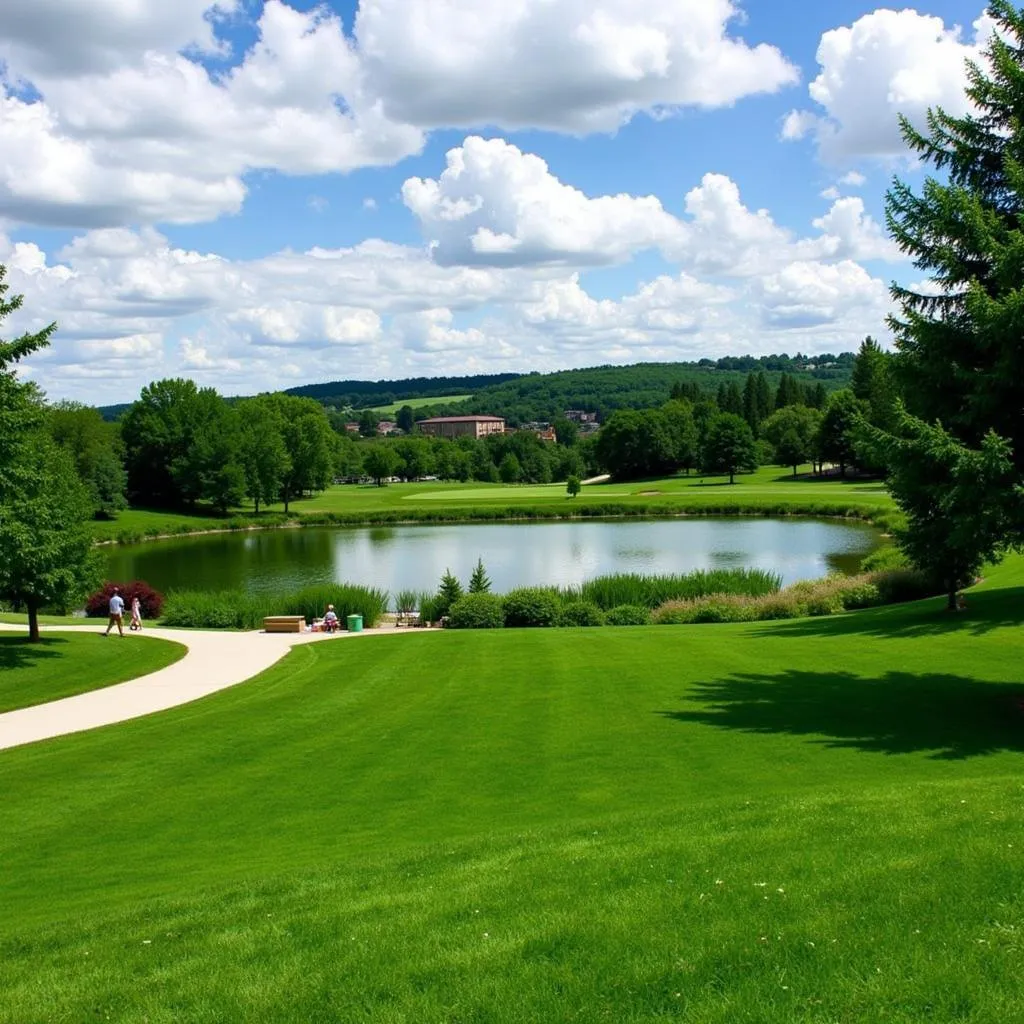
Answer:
[(136, 623)]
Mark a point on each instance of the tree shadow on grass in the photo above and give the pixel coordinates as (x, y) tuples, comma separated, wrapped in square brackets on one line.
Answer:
[(986, 611), (953, 717), (17, 652)]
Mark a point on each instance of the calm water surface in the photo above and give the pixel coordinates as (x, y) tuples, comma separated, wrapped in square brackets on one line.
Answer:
[(414, 557)]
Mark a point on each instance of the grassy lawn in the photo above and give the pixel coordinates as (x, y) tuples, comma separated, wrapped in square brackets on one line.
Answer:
[(769, 489), (414, 403), (143, 521), (70, 663), (768, 486), (813, 821)]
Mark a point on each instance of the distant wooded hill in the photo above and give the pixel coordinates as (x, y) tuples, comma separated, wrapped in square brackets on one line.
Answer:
[(522, 398)]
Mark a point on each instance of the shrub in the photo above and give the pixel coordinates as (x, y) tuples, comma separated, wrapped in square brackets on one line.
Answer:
[(151, 601), (819, 597), (725, 608), (861, 593), (889, 557), (406, 601), (628, 615), (477, 611), (580, 613), (899, 585), (782, 605), (531, 607)]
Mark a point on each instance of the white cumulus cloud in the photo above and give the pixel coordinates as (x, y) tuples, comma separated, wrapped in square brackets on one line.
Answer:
[(885, 64), (570, 65)]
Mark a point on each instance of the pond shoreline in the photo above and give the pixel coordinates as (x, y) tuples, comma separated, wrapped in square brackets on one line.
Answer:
[(880, 518)]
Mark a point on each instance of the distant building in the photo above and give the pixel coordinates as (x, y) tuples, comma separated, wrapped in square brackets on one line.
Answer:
[(579, 416), (386, 427), (462, 426), (352, 428)]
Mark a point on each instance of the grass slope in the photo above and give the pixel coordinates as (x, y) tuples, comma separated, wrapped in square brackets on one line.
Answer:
[(414, 403), (69, 663), (809, 821)]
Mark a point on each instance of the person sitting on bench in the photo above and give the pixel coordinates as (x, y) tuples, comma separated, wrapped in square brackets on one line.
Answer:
[(330, 620)]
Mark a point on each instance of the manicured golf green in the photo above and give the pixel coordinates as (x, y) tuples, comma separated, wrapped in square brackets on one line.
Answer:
[(63, 664), (814, 821), (768, 490)]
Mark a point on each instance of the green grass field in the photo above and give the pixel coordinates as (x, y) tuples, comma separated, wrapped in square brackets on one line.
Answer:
[(811, 821), (417, 403), (768, 489), (62, 665)]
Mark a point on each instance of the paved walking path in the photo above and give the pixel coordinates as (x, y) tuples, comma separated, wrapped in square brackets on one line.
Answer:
[(215, 661)]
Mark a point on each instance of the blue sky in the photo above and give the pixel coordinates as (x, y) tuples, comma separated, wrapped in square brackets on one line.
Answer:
[(262, 194)]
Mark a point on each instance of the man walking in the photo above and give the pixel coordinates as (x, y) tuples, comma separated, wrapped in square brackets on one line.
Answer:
[(116, 613)]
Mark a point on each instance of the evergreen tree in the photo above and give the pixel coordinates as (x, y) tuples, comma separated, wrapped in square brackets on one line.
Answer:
[(788, 392), (686, 391), (959, 361), (765, 398), (368, 421), (479, 582), (959, 356), (731, 398), (817, 397), (406, 419), (872, 383), (757, 400), (448, 593), (960, 502), (751, 413)]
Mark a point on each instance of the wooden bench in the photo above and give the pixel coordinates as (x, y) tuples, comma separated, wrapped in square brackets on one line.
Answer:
[(284, 624)]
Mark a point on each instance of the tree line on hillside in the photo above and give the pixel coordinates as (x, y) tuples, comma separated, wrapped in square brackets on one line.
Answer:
[(605, 389), (182, 447), (531, 397), (738, 429)]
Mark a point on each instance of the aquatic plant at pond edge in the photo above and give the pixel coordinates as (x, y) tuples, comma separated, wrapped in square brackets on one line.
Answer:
[(651, 591), (239, 609)]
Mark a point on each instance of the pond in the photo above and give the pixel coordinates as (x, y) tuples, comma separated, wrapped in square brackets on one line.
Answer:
[(521, 554)]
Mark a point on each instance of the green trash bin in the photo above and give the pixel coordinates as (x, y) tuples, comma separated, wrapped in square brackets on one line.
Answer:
[(355, 623)]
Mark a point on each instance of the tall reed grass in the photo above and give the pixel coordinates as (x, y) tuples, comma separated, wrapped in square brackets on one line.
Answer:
[(239, 609), (613, 591)]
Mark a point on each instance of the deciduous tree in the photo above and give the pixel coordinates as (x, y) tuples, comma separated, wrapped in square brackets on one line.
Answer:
[(730, 446)]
